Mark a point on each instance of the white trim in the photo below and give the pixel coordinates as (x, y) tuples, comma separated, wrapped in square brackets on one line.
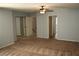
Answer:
[(7, 45), (68, 40)]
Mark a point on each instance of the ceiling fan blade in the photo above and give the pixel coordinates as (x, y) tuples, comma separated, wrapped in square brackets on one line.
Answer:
[(50, 11)]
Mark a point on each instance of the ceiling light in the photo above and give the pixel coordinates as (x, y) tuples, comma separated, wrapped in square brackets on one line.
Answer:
[(42, 10)]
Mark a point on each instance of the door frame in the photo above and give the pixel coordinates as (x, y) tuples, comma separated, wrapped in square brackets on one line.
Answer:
[(52, 33)]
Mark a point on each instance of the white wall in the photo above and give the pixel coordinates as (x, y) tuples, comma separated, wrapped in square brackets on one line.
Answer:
[(42, 26), (6, 28), (19, 13), (67, 27)]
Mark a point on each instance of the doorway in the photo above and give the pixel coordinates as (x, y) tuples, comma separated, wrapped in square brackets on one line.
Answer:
[(52, 26), (30, 26), (26, 26)]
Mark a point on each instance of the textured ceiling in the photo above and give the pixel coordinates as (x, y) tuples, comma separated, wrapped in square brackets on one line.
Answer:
[(33, 7)]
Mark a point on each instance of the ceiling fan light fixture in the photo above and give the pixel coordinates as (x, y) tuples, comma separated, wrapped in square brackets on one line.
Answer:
[(42, 11)]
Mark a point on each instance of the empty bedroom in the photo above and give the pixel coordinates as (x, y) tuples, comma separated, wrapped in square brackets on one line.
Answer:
[(39, 29)]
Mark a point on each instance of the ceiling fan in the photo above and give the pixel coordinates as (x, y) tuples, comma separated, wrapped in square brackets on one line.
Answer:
[(43, 10)]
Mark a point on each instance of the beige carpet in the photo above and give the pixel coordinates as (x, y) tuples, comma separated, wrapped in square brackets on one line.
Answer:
[(41, 47)]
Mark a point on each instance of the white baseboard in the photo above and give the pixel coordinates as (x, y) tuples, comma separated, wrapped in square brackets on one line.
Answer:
[(7, 45), (68, 40)]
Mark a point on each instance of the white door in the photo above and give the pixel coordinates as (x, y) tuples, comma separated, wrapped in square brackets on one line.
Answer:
[(29, 26), (18, 31)]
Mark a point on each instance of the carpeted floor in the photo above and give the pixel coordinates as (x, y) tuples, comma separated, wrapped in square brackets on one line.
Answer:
[(41, 47)]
